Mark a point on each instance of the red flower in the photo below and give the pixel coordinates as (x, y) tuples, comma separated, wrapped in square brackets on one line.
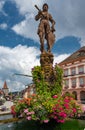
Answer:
[(66, 100), (66, 106), (13, 111), (63, 114), (74, 110), (55, 96)]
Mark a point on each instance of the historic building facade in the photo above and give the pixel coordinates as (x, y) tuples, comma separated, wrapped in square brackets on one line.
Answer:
[(74, 75)]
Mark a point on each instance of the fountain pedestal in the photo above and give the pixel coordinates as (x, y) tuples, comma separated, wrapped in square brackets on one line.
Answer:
[(46, 61)]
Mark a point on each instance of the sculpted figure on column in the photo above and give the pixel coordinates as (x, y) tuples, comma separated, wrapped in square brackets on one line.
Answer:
[(45, 31)]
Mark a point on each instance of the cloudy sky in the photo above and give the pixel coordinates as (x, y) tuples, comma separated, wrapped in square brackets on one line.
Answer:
[(19, 42)]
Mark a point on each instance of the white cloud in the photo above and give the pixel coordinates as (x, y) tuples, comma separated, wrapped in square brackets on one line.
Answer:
[(68, 14), (2, 3), (3, 26), (26, 28), (25, 6), (70, 18), (20, 59), (59, 58)]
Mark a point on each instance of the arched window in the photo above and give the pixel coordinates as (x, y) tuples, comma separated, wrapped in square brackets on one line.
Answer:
[(75, 94), (82, 97)]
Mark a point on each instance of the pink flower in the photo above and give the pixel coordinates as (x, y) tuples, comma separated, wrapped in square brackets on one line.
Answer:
[(71, 115), (83, 108), (29, 118), (55, 113), (30, 113), (25, 110), (79, 115), (46, 121), (55, 96), (74, 110)]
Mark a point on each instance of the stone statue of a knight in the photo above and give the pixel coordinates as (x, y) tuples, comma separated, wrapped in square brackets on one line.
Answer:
[(44, 29)]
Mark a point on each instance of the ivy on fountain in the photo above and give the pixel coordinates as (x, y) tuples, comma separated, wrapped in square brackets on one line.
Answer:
[(42, 87)]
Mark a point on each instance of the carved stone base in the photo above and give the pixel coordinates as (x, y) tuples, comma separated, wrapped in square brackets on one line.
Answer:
[(46, 61), (46, 58)]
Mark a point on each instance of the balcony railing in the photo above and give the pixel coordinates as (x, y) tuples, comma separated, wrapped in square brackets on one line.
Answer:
[(82, 85), (73, 86), (65, 75), (66, 87), (81, 72), (74, 74)]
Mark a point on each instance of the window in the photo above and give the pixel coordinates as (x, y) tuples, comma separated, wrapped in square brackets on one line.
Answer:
[(81, 82), (73, 83), (75, 94), (66, 72), (82, 97), (66, 84), (73, 71), (81, 69)]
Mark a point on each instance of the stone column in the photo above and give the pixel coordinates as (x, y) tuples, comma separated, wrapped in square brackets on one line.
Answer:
[(76, 69), (77, 82), (69, 71), (84, 68), (70, 85)]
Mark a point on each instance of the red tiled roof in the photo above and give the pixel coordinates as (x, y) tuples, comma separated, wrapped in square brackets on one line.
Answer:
[(76, 55)]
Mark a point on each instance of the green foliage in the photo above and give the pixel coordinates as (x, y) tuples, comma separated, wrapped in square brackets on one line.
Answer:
[(57, 87), (38, 79), (20, 105), (42, 86)]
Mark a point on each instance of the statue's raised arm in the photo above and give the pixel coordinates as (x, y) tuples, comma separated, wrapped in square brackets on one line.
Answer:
[(45, 32)]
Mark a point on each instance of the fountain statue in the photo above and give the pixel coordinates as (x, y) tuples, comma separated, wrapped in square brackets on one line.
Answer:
[(46, 32), (44, 29)]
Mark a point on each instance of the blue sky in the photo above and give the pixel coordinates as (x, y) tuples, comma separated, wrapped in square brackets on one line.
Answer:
[(19, 42)]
